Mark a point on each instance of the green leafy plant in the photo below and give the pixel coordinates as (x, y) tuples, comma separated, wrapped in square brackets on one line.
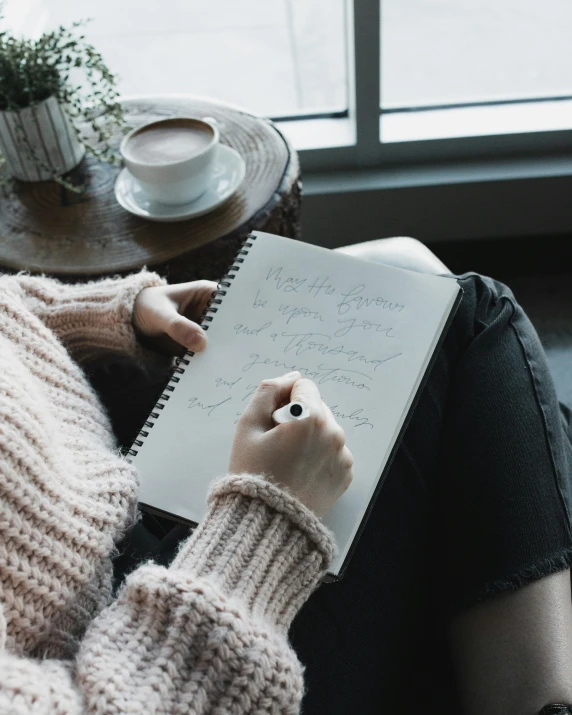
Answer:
[(53, 65)]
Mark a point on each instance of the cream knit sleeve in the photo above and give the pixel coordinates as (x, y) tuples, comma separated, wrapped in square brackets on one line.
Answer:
[(89, 318), (209, 634)]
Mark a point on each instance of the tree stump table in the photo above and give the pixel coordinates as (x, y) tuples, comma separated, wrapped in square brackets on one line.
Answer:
[(45, 228)]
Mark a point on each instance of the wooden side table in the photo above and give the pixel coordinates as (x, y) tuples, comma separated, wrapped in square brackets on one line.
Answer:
[(47, 229)]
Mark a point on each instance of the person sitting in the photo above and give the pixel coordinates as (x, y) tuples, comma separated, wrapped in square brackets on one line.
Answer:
[(474, 517)]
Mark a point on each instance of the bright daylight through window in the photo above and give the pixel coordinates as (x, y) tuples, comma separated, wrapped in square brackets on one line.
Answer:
[(489, 54), (297, 59), (275, 57)]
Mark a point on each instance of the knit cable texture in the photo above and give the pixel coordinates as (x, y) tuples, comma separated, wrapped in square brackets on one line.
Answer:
[(206, 635), (89, 318)]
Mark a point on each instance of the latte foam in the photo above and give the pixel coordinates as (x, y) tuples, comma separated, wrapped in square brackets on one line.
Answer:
[(166, 143)]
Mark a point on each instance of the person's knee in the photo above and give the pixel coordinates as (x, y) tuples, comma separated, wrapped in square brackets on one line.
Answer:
[(408, 243), (419, 253), (485, 297), (400, 251)]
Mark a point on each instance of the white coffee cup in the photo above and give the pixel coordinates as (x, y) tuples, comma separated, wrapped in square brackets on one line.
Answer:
[(172, 159)]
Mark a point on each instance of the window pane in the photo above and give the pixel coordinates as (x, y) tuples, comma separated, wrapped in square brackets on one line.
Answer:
[(458, 51), (272, 56)]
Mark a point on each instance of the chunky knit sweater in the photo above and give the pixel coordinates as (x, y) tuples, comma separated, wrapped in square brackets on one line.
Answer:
[(208, 634)]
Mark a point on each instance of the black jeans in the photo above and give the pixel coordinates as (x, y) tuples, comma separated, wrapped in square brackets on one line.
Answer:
[(477, 501)]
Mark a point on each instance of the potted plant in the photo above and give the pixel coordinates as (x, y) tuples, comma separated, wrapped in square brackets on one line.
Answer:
[(48, 117)]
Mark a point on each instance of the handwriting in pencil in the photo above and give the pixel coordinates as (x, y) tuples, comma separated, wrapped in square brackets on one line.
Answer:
[(301, 343), (354, 299), (319, 285), (194, 402), (291, 284), (241, 329), (288, 284), (320, 375), (355, 416), (354, 324), (291, 312), (258, 302), (221, 382)]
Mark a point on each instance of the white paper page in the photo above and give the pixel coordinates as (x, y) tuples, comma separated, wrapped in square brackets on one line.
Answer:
[(362, 331)]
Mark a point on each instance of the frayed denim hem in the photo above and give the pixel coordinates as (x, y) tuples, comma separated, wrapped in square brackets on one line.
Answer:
[(552, 564)]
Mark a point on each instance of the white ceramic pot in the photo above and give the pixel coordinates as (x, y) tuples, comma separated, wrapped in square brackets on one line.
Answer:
[(48, 131)]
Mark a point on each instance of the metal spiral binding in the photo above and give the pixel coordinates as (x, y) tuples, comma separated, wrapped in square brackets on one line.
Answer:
[(181, 364)]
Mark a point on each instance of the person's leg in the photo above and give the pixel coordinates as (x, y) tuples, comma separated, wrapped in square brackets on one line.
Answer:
[(514, 650), (486, 454), (502, 520), (400, 251), (376, 640), (512, 653)]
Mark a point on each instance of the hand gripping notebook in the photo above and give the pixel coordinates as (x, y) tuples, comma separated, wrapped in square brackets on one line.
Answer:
[(364, 332)]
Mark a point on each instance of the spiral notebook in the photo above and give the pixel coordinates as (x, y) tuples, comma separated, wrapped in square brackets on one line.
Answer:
[(366, 333)]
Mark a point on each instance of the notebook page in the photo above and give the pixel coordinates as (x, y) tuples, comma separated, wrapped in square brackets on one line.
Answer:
[(362, 331)]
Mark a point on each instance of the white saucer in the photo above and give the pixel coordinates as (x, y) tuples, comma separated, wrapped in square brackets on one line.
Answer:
[(229, 171)]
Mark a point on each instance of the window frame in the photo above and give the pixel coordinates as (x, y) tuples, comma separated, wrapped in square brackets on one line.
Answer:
[(351, 141)]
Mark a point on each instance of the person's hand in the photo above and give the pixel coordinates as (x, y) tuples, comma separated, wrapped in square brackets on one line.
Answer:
[(308, 456), (165, 316)]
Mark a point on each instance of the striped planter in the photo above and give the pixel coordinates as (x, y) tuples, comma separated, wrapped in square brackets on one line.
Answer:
[(49, 132)]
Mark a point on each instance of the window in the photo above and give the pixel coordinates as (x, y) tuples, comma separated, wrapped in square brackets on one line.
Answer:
[(458, 52), (354, 83), (275, 57), (460, 68)]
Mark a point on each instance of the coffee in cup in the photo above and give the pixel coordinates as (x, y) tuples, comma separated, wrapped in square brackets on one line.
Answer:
[(172, 159)]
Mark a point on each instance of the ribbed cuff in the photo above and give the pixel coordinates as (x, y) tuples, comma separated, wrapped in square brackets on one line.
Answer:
[(90, 318), (261, 545)]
